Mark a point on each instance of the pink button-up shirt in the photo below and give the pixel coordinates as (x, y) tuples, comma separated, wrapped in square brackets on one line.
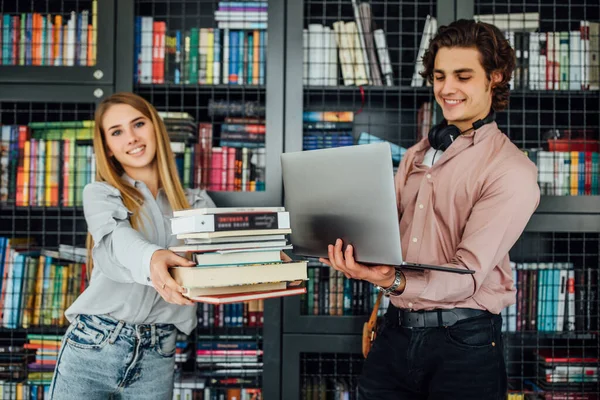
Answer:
[(465, 211)]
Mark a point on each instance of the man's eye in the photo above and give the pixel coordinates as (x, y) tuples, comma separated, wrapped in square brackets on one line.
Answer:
[(464, 78), (439, 78)]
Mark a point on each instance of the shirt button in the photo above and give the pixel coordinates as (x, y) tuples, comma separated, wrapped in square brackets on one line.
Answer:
[(148, 279), (414, 240), (428, 176), (421, 206), (410, 305)]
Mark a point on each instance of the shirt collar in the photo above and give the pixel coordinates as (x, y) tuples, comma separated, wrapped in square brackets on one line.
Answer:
[(130, 180), (137, 184)]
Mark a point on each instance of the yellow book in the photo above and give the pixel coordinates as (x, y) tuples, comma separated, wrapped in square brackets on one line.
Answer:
[(210, 55), (48, 173), (92, 60), (26, 170), (39, 288), (574, 173), (256, 56), (57, 28)]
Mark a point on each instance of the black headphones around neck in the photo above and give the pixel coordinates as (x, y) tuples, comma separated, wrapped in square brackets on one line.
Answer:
[(442, 135)]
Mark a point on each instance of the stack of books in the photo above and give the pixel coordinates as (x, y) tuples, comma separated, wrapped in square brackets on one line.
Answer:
[(238, 254)]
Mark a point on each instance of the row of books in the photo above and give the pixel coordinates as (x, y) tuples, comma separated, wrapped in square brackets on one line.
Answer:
[(567, 173), (329, 292), (37, 285), (248, 314), (206, 56), (53, 173), (27, 366), (49, 40), (320, 133), (356, 49), (553, 297), (237, 253), (567, 60)]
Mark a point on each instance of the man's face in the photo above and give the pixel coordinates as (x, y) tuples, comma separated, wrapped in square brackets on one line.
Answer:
[(460, 86)]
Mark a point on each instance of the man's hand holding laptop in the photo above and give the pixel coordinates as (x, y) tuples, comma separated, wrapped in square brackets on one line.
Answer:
[(380, 275)]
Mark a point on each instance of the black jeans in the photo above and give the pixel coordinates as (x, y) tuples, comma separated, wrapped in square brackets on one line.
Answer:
[(464, 361)]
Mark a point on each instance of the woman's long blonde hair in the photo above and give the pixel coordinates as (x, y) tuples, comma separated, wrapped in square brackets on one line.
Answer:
[(109, 170)]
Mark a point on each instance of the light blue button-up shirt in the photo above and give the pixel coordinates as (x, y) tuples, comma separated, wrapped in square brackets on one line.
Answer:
[(120, 284)]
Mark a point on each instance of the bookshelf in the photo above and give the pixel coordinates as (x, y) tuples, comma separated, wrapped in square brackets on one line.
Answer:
[(45, 93), (305, 353), (96, 68), (318, 348)]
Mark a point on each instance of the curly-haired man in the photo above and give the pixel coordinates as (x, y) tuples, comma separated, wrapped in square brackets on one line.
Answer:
[(465, 194)]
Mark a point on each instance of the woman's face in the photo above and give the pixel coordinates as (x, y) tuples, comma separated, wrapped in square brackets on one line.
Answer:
[(130, 138)]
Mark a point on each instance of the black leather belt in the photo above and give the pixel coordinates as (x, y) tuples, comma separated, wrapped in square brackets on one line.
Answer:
[(433, 318)]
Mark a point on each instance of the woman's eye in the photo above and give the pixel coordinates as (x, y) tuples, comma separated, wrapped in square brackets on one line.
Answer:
[(115, 133), (139, 124)]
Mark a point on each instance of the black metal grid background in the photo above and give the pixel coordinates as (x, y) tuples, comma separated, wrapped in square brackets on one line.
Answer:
[(391, 113)]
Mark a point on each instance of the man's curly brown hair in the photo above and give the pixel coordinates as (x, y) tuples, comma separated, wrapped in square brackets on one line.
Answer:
[(495, 53)]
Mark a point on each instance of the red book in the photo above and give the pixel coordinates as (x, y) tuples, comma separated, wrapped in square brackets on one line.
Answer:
[(240, 297)]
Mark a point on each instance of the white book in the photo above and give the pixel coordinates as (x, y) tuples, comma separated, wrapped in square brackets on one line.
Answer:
[(83, 44), (70, 50), (225, 57), (223, 222), (430, 26), (332, 59), (344, 52), (574, 60), (239, 257), (252, 16), (316, 55), (225, 210), (146, 50), (361, 46), (360, 71), (257, 243), (512, 22), (534, 59), (384, 57), (241, 25), (562, 297), (571, 300), (236, 239)]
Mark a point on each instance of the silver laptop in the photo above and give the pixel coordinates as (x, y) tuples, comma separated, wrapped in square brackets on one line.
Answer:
[(346, 193)]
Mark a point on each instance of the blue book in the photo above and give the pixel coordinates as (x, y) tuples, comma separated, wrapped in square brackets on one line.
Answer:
[(137, 45)]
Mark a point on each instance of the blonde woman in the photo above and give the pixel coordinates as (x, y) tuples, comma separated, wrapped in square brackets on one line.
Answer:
[(121, 341)]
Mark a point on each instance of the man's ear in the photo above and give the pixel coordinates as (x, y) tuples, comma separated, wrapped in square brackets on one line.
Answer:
[(495, 78)]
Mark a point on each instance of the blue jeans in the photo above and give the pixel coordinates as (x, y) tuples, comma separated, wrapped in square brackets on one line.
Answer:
[(102, 358)]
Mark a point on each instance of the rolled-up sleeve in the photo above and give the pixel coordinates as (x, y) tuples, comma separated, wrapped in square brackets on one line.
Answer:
[(497, 220), (120, 252)]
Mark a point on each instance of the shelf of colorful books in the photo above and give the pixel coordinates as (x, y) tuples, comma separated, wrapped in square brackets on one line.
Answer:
[(203, 43), (554, 93), (64, 42), (174, 88), (372, 45), (208, 60)]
